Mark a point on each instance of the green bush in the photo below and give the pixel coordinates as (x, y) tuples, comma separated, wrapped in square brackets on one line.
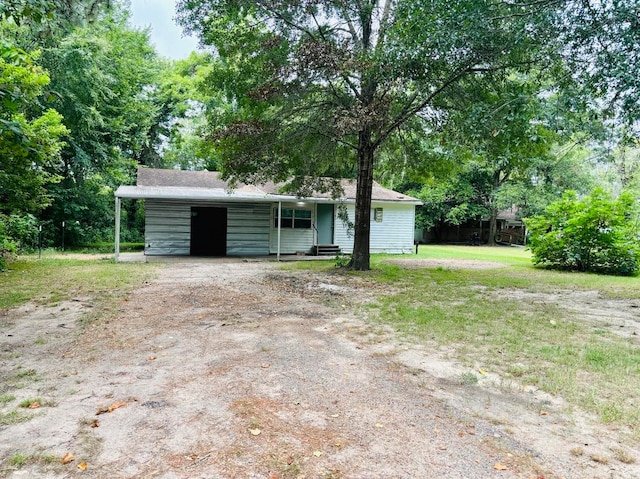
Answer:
[(18, 233), (596, 234)]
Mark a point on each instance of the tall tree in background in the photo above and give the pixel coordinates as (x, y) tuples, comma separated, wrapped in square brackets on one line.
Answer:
[(602, 47), (102, 82), (506, 133), (30, 144), (317, 84)]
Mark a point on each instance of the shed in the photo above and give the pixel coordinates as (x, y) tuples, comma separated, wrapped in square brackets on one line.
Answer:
[(196, 213)]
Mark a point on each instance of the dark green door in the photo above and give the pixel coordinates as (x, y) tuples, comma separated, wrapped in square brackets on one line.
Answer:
[(325, 224)]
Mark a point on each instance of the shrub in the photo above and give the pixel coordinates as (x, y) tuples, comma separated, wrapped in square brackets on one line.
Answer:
[(18, 233), (596, 234)]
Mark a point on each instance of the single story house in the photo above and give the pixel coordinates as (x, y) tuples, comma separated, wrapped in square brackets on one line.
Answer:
[(196, 213)]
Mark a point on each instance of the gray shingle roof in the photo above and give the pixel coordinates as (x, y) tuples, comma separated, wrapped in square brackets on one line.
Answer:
[(160, 183)]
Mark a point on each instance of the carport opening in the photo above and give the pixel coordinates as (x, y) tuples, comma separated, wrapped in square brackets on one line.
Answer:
[(208, 231)]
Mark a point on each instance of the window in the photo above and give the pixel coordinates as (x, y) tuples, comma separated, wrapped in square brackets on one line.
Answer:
[(293, 218), (377, 215)]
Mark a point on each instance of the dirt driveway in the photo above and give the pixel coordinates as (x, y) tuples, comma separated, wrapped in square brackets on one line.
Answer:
[(238, 369)]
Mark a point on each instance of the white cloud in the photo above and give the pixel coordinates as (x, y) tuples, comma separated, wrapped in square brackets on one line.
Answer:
[(165, 34)]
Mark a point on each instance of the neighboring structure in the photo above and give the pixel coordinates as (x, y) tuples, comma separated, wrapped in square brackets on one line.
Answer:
[(510, 230), (196, 213)]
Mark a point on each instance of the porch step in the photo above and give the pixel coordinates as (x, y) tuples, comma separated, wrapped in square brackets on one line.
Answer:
[(326, 250)]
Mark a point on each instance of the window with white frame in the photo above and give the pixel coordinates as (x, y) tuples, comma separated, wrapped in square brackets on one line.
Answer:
[(295, 218), (377, 215)]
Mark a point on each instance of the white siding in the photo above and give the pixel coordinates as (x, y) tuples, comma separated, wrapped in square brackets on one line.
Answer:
[(341, 236), (248, 230), (393, 235), (168, 227), (251, 230), (291, 239)]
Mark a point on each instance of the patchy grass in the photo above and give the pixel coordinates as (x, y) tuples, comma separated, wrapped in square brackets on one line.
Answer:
[(17, 379), (51, 280), (14, 417), (475, 313), (19, 460)]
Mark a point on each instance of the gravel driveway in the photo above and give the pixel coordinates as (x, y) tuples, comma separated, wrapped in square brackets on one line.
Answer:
[(239, 369)]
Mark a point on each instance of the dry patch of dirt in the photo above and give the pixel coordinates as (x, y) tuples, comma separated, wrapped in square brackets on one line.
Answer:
[(618, 316), (236, 369), (446, 263)]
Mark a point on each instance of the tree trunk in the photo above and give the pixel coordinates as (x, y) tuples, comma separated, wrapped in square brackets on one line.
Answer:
[(499, 177), (493, 226), (360, 261)]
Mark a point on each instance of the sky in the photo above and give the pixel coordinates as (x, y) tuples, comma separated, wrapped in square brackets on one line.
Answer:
[(165, 34)]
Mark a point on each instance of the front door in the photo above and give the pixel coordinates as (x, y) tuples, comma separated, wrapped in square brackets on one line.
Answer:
[(208, 231), (325, 224)]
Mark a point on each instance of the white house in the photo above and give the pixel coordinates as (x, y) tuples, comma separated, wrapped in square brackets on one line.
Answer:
[(196, 213)]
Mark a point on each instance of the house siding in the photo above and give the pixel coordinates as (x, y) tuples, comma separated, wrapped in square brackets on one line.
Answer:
[(394, 234), (248, 230), (168, 228), (251, 229), (291, 240)]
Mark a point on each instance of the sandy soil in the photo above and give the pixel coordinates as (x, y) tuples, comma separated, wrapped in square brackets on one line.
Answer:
[(237, 369)]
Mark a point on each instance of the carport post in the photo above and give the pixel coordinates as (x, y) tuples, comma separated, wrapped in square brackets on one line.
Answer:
[(279, 225), (117, 254)]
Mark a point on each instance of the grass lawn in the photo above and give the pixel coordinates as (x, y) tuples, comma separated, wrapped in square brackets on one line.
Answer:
[(487, 317), (51, 280)]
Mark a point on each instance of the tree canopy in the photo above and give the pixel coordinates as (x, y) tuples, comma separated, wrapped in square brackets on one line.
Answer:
[(317, 86)]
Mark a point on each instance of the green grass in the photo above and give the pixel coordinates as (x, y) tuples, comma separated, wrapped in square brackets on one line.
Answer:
[(18, 460), (51, 280), (14, 417), (28, 402), (482, 316)]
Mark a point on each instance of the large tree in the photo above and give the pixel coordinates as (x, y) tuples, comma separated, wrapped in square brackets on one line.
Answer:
[(602, 47), (103, 81), (29, 143), (318, 86)]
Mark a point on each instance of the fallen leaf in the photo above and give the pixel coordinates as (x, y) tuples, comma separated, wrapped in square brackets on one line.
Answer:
[(113, 407), (443, 448), (266, 366), (116, 405), (34, 405), (544, 413), (82, 466), (290, 460), (255, 432), (152, 358), (482, 371), (95, 423), (317, 453), (499, 467), (67, 458)]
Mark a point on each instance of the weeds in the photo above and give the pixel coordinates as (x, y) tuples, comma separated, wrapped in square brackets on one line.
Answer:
[(14, 417), (484, 317), (50, 280)]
